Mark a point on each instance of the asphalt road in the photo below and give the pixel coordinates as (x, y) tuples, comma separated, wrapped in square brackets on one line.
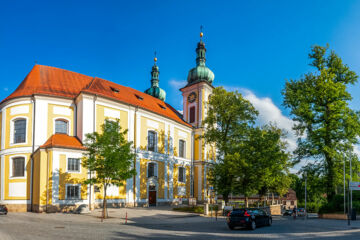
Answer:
[(162, 224)]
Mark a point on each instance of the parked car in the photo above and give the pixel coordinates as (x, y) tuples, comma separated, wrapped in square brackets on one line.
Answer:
[(288, 212), (301, 212), (248, 217), (3, 209)]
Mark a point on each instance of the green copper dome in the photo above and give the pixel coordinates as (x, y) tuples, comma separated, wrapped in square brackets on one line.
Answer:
[(155, 90), (200, 73)]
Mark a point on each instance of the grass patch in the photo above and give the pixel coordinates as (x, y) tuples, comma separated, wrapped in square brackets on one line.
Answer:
[(195, 209)]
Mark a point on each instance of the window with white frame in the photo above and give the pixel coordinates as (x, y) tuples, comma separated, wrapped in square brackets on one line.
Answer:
[(72, 191), (20, 130), (182, 174), (61, 126), (151, 169), (18, 167), (73, 165), (152, 141), (182, 148)]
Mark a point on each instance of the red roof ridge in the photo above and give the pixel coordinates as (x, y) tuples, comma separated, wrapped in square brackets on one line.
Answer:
[(62, 140)]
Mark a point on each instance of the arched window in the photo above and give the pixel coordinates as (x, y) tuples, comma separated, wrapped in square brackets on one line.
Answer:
[(182, 148), (182, 174), (20, 130), (61, 126), (151, 170), (18, 167), (192, 114), (152, 141)]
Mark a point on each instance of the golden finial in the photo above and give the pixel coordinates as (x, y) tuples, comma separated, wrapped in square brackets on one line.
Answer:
[(155, 58), (201, 31)]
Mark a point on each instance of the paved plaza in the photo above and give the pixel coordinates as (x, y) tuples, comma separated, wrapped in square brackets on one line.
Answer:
[(161, 223)]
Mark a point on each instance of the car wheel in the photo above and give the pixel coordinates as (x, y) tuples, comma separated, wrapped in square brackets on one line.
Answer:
[(253, 225), (269, 222), (231, 227)]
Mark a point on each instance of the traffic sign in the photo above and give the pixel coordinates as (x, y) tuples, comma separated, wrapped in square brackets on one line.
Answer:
[(355, 186)]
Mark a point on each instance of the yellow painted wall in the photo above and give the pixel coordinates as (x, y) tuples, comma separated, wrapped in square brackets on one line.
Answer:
[(175, 181), (9, 180), (187, 181), (196, 147), (187, 145), (160, 134), (143, 179), (52, 117), (161, 179), (29, 126), (43, 167), (36, 179), (70, 178), (100, 117), (196, 177)]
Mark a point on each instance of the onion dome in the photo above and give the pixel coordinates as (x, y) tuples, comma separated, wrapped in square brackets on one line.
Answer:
[(155, 90), (200, 73)]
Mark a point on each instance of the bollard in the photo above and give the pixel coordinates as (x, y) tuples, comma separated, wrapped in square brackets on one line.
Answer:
[(206, 209), (126, 218)]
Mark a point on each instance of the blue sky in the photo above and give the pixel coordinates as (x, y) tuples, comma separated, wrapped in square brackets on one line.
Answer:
[(253, 46)]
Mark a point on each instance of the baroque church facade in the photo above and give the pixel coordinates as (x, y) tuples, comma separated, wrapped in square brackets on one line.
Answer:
[(45, 120)]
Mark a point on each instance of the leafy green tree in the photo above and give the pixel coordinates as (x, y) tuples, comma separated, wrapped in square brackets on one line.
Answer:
[(110, 156), (228, 119), (262, 163), (324, 122)]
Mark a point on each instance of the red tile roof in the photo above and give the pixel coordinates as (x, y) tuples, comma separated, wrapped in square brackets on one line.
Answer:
[(63, 141), (51, 81)]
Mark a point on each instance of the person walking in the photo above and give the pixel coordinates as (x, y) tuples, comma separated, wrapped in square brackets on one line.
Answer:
[(294, 212)]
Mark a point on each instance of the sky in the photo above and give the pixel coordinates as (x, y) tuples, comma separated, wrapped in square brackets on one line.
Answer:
[(252, 46)]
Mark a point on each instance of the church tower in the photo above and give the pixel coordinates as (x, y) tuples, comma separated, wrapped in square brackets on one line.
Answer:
[(195, 96), (155, 90)]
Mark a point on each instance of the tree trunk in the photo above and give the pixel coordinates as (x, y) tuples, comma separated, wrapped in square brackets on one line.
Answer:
[(330, 186), (246, 202), (273, 199), (226, 199), (105, 215)]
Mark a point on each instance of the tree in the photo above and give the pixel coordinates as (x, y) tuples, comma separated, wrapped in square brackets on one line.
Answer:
[(229, 117), (110, 156), (262, 163), (325, 124)]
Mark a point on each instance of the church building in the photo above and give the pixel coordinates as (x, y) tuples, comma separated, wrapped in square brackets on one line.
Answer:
[(44, 122)]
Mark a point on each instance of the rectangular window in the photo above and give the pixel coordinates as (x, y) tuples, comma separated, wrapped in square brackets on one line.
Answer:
[(152, 141), (74, 164), (19, 130), (182, 172), (18, 167), (151, 169), (72, 192), (192, 114), (61, 126), (182, 148)]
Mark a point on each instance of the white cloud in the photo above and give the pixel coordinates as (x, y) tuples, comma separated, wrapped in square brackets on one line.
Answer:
[(177, 84), (269, 112)]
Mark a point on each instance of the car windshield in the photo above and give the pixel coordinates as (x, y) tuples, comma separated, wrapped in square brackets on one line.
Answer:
[(242, 211)]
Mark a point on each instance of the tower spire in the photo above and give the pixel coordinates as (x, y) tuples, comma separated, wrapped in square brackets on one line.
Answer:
[(155, 90), (201, 50), (155, 73)]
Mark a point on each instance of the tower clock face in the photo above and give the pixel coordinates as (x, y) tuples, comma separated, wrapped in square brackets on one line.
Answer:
[(192, 97)]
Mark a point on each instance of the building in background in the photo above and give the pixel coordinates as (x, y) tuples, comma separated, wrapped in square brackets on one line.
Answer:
[(45, 120)]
